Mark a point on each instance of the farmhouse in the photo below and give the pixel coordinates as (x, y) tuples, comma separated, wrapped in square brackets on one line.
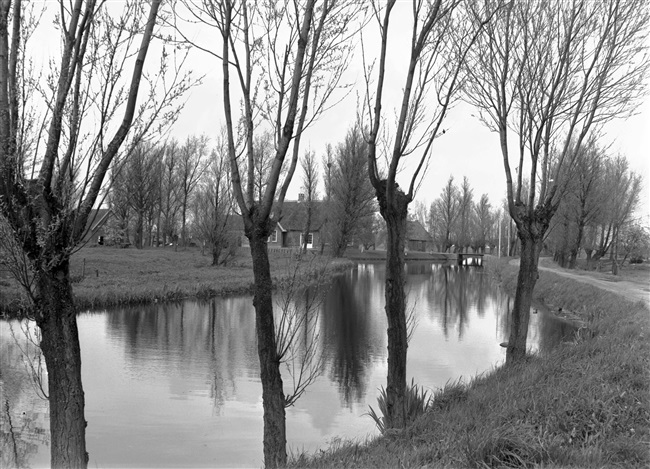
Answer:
[(288, 232)]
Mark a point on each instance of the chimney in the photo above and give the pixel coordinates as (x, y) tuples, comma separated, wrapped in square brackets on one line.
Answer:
[(301, 197)]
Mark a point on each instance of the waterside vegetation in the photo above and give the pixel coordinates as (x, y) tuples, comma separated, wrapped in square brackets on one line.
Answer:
[(584, 404), (103, 276)]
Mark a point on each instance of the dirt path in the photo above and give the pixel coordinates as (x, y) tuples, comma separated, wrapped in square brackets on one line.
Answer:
[(636, 290)]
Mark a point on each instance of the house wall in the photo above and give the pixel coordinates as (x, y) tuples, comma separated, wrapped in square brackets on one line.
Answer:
[(277, 243), (293, 239), (287, 239), (416, 245), (275, 240)]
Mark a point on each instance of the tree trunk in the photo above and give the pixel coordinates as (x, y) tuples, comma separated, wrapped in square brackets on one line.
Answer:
[(183, 220), (526, 279), (396, 315), (150, 230), (562, 255), (614, 254), (573, 260), (307, 228), (216, 253), (275, 440), (124, 229), (341, 237), (158, 228), (395, 215), (139, 230), (56, 317)]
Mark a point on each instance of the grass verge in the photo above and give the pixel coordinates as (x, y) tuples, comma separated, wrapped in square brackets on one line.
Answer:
[(103, 276), (584, 404)]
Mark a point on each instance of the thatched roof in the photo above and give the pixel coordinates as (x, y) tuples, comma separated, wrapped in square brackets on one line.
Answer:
[(294, 215), (416, 232)]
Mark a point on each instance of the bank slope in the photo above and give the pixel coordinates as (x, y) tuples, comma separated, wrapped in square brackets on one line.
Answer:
[(584, 404)]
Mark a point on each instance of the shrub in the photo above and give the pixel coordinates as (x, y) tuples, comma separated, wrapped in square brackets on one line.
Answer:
[(417, 401)]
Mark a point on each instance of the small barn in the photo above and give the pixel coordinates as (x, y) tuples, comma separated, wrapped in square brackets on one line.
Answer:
[(417, 237)]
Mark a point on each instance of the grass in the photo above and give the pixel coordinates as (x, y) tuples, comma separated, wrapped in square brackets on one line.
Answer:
[(635, 273), (584, 404), (106, 276)]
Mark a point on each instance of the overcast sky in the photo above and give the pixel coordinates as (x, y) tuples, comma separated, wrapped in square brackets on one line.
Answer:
[(467, 148)]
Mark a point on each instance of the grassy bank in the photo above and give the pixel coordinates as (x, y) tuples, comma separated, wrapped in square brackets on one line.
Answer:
[(584, 404), (105, 276)]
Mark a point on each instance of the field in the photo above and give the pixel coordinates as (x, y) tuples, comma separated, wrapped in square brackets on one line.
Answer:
[(106, 276)]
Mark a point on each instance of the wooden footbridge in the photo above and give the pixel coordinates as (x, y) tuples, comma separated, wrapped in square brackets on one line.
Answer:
[(464, 258)]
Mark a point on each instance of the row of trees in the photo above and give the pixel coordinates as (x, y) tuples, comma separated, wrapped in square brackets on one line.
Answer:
[(542, 75), (175, 192), (155, 187), (163, 189), (456, 221), (596, 212)]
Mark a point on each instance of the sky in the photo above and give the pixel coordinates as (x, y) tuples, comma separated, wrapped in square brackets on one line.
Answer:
[(467, 148)]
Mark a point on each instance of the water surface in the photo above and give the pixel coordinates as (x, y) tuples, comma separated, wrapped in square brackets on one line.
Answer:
[(178, 385)]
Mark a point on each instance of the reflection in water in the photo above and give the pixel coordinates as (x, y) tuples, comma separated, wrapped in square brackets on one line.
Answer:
[(215, 339), (178, 385), (23, 423), (452, 294), (352, 335)]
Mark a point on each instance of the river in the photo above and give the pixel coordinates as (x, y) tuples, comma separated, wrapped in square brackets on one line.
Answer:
[(177, 385)]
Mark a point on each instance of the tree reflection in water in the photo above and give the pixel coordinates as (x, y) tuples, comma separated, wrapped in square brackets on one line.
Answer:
[(453, 291), (195, 364), (23, 413), (350, 334)]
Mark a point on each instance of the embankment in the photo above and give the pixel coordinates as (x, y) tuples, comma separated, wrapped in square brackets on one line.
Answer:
[(106, 277), (584, 404)]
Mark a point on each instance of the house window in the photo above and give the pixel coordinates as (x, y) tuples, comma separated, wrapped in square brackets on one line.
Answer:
[(274, 237), (310, 240)]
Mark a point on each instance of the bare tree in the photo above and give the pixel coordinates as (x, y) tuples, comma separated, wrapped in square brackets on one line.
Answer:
[(169, 191), (465, 216), (623, 188), (420, 213), (587, 194), (444, 214), (309, 191), (287, 59), (214, 205), (142, 183), (440, 40), (298, 301), (484, 223), (582, 203), (550, 72), (263, 153), (51, 180), (634, 241), (118, 202), (352, 204), (328, 163), (191, 165)]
